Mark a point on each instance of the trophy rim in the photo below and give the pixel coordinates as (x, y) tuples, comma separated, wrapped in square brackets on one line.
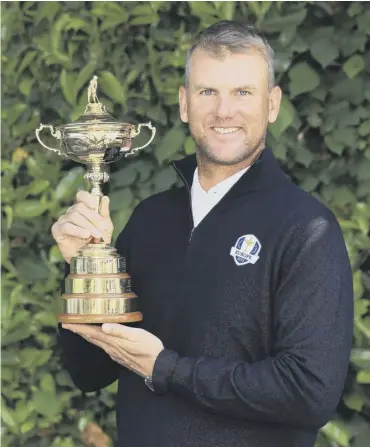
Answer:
[(87, 124)]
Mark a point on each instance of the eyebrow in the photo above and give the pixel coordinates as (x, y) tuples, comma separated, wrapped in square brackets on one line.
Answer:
[(242, 87)]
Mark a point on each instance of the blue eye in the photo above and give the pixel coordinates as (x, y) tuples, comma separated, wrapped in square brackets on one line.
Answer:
[(244, 92), (207, 92)]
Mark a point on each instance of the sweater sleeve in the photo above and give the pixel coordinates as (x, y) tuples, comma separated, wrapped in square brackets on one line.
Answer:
[(300, 384), (89, 366)]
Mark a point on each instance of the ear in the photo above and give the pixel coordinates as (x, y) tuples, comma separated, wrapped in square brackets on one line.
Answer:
[(183, 104), (274, 103)]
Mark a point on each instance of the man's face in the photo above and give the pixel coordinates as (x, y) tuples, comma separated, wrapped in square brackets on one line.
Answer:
[(228, 105)]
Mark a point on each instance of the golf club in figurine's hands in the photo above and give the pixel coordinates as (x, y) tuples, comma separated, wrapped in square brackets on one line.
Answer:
[(98, 287)]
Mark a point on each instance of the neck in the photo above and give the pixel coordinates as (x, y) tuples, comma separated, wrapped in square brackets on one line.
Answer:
[(211, 174)]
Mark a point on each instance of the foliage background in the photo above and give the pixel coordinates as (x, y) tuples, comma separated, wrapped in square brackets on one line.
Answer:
[(50, 52)]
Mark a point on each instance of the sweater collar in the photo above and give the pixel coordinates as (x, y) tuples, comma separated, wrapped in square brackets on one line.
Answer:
[(264, 173)]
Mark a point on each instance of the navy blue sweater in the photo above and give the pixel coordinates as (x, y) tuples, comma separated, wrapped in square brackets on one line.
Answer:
[(255, 310)]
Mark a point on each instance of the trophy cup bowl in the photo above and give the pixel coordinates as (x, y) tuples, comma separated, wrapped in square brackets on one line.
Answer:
[(98, 287)]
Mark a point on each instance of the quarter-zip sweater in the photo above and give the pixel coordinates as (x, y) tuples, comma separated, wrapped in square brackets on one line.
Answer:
[(257, 338)]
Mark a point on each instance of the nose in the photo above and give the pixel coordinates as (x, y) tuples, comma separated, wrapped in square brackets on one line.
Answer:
[(224, 108)]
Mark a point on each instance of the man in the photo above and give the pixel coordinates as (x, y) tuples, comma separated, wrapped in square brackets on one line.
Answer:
[(243, 279)]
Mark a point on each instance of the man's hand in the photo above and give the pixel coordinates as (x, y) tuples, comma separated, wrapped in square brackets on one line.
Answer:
[(134, 348), (82, 224)]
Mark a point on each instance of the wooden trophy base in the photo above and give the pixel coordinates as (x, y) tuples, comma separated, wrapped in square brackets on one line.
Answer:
[(130, 317)]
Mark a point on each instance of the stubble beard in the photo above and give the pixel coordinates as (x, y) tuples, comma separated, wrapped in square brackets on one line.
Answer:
[(247, 151)]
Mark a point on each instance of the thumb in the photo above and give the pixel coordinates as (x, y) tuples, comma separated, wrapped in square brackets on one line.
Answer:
[(104, 207)]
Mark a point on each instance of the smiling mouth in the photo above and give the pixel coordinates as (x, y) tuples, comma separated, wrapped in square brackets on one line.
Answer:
[(226, 130)]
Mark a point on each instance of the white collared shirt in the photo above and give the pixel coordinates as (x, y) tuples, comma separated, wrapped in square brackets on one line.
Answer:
[(202, 202)]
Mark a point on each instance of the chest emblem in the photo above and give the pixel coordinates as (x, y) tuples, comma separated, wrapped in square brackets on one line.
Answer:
[(246, 250)]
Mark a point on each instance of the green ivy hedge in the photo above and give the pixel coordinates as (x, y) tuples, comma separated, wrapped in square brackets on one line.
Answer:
[(50, 52)]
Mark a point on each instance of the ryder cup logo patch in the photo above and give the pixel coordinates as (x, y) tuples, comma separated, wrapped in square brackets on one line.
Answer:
[(246, 250)]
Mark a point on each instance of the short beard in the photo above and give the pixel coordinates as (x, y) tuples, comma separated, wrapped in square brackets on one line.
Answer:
[(251, 149)]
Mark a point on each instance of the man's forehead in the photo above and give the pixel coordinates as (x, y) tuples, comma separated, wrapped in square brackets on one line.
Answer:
[(243, 68)]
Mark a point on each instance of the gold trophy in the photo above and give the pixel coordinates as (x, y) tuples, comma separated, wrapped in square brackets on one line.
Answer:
[(98, 288)]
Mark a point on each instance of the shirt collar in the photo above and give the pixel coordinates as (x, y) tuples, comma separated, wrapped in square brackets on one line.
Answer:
[(221, 188), (265, 172)]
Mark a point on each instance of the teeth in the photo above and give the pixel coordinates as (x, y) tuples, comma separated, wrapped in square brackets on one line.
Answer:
[(226, 129)]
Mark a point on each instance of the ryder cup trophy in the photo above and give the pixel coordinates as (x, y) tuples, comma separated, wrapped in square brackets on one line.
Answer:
[(98, 288)]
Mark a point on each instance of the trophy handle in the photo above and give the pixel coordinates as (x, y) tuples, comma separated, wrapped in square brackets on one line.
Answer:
[(135, 133), (54, 133)]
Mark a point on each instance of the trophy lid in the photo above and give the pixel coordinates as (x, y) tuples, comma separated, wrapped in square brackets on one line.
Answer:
[(95, 113)]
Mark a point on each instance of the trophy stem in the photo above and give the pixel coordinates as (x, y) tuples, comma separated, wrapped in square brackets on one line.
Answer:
[(96, 175)]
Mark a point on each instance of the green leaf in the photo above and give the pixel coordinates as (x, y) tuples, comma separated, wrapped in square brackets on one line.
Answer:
[(164, 179), (7, 416), (111, 86), (336, 431), (364, 129), (84, 75), (259, 9), (31, 269), (303, 78), (28, 58), (189, 146), (9, 358), (144, 20), (143, 9), (363, 326), (121, 198), (47, 383), (29, 208), (31, 358), (67, 187), (354, 66), (38, 186), (120, 220), (363, 376), (46, 403), (201, 9), (354, 401), (170, 144), (284, 119), (361, 357), (279, 23), (325, 51), (16, 336), (25, 85), (67, 82)]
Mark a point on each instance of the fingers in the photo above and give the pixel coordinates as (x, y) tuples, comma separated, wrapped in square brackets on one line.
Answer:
[(104, 206), (87, 198), (93, 220), (69, 229), (118, 330), (82, 217)]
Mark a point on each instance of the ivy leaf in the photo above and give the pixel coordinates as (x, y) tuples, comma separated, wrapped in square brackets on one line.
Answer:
[(337, 432), (111, 86), (284, 119), (324, 51), (279, 23), (67, 82), (67, 187), (170, 144), (29, 208), (363, 376), (303, 78), (46, 403), (354, 66)]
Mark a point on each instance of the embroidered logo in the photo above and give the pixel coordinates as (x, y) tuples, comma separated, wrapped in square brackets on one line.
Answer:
[(246, 250)]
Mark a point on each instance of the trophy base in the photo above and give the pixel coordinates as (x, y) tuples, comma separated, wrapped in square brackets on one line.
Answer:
[(130, 317), (98, 289)]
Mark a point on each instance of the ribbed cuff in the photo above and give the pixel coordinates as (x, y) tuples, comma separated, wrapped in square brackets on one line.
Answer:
[(163, 368)]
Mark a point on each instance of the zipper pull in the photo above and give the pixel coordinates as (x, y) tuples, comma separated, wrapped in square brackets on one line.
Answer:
[(191, 235)]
